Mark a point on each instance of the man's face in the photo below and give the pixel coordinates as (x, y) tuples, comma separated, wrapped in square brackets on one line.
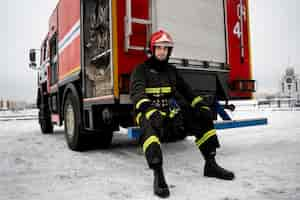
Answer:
[(161, 52)]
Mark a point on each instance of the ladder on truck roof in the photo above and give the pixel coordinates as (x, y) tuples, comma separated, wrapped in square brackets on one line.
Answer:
[(129, 20)]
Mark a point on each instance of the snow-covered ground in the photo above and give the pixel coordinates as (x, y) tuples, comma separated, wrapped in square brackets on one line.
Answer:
[(26, 114), (266, 160)]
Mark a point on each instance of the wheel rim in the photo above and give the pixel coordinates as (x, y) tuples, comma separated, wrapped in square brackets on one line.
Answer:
[(70, 121)]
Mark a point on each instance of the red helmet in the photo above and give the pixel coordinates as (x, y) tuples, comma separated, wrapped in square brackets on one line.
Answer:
[(161, 38)]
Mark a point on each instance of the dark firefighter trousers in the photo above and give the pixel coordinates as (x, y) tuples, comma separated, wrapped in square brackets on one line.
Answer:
[(186, 122)]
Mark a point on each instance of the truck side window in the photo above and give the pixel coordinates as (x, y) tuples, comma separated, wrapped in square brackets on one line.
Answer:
[(45, 51), (53, 60)]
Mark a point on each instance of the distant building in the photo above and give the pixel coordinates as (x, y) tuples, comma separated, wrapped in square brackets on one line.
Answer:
[(8, 105), (15, 105), (3, 105), (290, 85)]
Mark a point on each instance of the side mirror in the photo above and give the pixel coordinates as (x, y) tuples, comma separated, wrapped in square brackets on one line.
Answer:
[(32, 59)]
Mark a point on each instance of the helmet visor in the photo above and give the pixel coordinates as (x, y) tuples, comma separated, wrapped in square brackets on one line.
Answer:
[(163, 44)]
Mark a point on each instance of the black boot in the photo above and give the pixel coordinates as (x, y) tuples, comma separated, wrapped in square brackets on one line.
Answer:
[(212, 169), (160, 186)]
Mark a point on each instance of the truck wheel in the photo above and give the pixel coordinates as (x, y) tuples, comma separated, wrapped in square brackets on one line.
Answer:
[(45, 124), (72, 123)]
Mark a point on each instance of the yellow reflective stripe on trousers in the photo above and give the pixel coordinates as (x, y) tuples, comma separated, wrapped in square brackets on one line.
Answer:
[(158, 90), (138, 117), (150, 140), (196, 100), (139, 103), (149, 113), (205, 137)]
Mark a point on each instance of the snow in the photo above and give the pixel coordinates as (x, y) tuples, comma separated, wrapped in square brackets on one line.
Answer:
[(19, 112), (265, 159), (26, 114)]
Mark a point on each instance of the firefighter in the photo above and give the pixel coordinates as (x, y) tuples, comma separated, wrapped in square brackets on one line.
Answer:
[(167, 109)]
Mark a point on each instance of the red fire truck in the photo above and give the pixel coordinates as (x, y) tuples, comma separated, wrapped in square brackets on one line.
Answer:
[(93, 45)]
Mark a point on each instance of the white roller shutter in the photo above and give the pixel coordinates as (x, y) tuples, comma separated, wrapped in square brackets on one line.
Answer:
[(197, 27)]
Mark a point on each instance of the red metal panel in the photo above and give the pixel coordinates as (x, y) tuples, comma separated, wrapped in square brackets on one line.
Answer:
[(69, 41), (69, 59), (69, 14), (127, 61), (240, 68)]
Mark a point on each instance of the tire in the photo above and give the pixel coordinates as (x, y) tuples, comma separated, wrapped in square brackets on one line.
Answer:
[(45, 123), (72, 123)]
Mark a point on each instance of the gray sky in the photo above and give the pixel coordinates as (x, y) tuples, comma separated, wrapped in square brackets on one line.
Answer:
[(275, 42), (23, 26)]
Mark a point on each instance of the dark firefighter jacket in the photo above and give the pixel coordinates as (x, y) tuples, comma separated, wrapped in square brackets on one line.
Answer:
[(153, 87)]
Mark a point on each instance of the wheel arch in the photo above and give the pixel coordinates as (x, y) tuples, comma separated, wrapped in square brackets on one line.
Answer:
[(70, 88)]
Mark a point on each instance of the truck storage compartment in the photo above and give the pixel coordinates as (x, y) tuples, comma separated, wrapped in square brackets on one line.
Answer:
[(97, 48)]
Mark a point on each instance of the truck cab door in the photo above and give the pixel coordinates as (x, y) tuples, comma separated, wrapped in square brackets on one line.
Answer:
[(53, 60)]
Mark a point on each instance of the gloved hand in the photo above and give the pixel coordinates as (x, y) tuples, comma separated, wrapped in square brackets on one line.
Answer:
[(156, 120), (203, 111), (144, 106), (201, 106)]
